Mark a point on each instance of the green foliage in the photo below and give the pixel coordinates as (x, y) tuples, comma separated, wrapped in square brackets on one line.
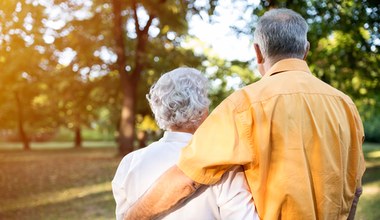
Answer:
[(85, 91), (161, 50), (22, 68), (53, 91), (371, 128), (225, 77)]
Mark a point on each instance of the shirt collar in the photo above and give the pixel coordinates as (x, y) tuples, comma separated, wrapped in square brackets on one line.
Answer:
[(172, 136), (284, 65)]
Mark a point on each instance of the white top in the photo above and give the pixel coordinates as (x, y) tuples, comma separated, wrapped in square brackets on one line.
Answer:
[(229, 199)]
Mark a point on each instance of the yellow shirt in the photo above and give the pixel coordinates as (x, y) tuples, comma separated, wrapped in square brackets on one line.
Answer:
[(298, 139)]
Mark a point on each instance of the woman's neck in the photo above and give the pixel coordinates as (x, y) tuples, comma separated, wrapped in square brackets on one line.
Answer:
[(185, 130)]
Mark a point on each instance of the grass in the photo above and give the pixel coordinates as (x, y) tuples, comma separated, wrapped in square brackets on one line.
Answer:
[(368, 207), (57, 184), (60, 183), (55, 145)]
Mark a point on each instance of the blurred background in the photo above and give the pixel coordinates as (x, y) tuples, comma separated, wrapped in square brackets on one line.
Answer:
[(74, 74)]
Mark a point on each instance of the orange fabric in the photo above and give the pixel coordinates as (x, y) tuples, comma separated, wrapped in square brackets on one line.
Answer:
[(299, 140)]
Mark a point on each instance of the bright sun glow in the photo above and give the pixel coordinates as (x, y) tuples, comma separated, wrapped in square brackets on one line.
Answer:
[(220, 36)]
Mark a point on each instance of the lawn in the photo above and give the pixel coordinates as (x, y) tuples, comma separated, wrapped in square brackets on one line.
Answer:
[(65, 183), (57, 184), (369, 202)]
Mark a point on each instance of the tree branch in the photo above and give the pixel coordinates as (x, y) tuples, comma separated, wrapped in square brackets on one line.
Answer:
[(148, 24), (135, 17)]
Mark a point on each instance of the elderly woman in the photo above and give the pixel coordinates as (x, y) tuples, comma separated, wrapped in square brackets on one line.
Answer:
[(180, 104)]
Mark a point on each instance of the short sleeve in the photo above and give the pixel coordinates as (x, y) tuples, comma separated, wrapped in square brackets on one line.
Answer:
[(360, 138), (222, 141), (234, 198)]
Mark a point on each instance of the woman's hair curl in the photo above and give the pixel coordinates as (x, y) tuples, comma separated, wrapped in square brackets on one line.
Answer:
[(179, 99)]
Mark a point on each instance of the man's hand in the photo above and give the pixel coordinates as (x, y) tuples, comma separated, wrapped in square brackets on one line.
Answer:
[(168, 191)]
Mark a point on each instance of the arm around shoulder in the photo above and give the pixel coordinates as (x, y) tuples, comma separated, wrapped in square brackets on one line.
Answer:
[(168, 191)]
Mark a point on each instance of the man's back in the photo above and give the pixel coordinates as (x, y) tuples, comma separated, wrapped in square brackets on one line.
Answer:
[(306, 141)]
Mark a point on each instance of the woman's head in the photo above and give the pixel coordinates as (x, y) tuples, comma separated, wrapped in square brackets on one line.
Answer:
[(179, 99)]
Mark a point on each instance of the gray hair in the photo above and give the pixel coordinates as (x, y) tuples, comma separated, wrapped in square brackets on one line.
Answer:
[(281, 33), (179, 99)]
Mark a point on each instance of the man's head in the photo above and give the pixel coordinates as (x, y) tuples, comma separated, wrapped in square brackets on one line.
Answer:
[(179, 100), (280, 34)]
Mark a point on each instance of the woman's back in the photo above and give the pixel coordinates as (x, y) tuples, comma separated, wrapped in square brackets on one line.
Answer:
[(228, 199)]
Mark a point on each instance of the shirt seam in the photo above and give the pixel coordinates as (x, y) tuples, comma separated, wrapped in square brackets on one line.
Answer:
[(247, 131), (291, 93)]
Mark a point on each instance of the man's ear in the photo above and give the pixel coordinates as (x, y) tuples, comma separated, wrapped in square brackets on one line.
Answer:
[(259, 55), (307, 50)]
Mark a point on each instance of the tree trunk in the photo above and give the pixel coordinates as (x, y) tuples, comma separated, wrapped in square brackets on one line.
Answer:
[(127, 120), (21, 129), (78, 137), (129, 82), (142, 137)]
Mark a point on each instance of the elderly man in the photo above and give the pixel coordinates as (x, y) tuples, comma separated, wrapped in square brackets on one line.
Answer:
[(180, 104), (299, 139)]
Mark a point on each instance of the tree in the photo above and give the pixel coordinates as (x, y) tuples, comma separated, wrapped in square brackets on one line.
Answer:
[(85, 38), (53, 65), (21, 65), (152, 36)]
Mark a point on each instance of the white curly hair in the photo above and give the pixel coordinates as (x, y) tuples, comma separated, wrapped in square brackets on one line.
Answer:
[(179, 99)]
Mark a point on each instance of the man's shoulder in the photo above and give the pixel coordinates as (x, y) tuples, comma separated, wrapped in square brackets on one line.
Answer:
[(328, 89), (243, 97), (269, 87), (239, 100), (344, 96)]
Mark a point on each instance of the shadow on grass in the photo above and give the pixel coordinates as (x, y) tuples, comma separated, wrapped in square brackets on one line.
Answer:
[(94, 206), (368, 207), (372, 174), (57, 184)]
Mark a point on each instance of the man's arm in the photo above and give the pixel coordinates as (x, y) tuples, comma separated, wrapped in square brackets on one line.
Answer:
[(169, 190)]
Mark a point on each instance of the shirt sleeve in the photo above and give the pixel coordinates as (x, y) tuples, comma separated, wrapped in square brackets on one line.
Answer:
[(222, 141), (119, 189), (233, 196), (360, 138)]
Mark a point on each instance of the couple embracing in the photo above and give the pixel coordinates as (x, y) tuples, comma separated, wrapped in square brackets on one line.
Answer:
[(286, 147)]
